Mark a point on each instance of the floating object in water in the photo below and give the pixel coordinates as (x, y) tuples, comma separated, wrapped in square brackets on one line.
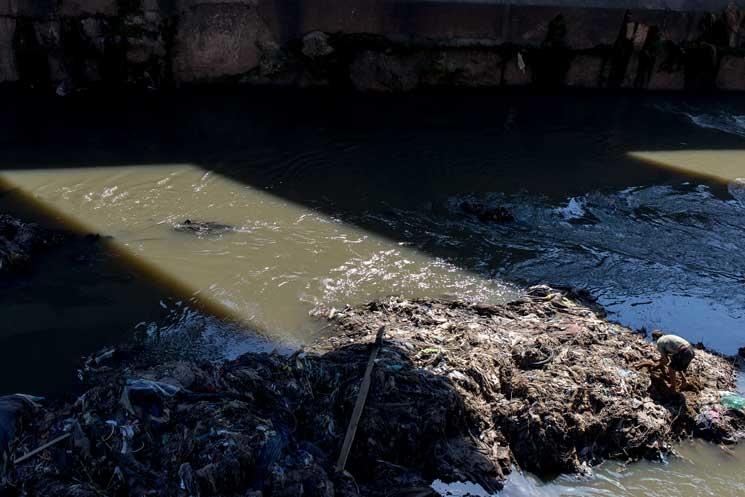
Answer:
[(487, 213), (203, 228)]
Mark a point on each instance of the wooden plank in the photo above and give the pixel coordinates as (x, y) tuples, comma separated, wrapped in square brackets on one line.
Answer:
[(360, 403), (41, 448)]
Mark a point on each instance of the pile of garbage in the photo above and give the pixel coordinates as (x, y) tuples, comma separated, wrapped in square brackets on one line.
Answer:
[(19, 240), (458, 392), (559, 383)]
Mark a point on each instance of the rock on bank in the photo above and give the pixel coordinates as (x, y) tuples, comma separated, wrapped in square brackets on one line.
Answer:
[(459, 392), (378, 45)]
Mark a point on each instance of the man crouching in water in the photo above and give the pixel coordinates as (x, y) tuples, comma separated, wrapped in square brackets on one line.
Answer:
[(676, 354)]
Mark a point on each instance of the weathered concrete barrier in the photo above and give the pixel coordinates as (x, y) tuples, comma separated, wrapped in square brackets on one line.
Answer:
[(381, 45)]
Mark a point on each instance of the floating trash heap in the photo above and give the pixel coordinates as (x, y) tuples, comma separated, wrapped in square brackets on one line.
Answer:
[(458, 392)]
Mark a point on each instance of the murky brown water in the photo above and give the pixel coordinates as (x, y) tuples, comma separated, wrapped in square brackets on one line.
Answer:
[(338, 201), (701, 470), (721, 165), (277, 260)]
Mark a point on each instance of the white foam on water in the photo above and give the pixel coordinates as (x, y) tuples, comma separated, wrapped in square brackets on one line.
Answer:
[(460, 489), (728, 123), (575, 209), (736, 188)]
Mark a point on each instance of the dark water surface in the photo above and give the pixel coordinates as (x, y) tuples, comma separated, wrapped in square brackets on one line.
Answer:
[(344, 199), (661, 247)]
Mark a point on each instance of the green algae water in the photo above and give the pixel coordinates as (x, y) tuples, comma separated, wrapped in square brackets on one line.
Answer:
[(340, 200)]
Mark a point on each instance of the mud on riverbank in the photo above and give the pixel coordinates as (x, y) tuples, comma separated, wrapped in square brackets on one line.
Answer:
[(459, 392)]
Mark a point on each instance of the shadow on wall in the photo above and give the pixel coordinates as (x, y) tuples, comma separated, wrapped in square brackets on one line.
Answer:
[(379, 45)]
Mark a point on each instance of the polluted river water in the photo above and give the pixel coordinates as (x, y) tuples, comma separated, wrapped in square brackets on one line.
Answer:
[(343, 200), (269, 255)]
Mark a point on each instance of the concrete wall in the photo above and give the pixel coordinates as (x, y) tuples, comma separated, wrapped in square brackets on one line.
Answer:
[(381, 45)]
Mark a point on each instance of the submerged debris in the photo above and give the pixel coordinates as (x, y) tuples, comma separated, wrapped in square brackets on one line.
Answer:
[(487, 213), (19, 240), (459, 392), (203, 228)]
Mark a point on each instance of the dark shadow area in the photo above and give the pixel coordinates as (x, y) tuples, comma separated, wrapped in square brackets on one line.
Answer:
[(77, 282), (67, 300), (289, 12), (303, 146), (276, 425)]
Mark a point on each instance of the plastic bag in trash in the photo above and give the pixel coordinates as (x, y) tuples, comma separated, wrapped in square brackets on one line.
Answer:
[(144, 399), (733, 401)]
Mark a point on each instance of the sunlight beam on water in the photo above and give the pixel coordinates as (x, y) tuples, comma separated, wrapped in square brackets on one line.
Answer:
[(283, 258), (278, 260), (720, 165)]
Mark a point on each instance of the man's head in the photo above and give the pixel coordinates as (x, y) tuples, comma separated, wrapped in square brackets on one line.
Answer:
[(680, 360)]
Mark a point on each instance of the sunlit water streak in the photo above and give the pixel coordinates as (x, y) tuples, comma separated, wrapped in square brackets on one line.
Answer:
[(279, 261)]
